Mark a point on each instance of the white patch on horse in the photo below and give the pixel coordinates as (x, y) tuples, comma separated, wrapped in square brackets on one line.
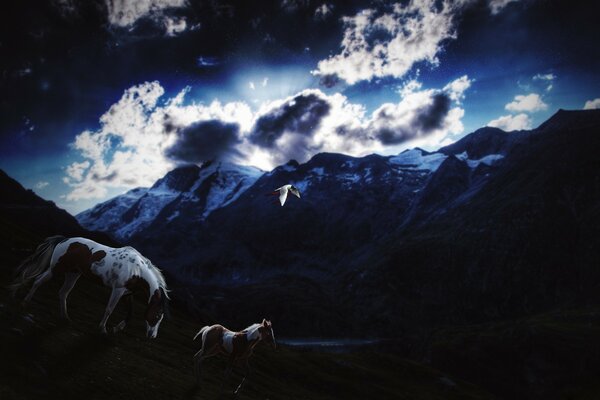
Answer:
[(252, 332), (228, 341)]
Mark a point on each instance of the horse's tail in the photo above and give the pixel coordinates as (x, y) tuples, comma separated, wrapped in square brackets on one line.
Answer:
[(36, 264), (201, 331)]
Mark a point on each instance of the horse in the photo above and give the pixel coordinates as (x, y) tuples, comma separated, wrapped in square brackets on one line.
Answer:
[(124, 270), (238, 346)]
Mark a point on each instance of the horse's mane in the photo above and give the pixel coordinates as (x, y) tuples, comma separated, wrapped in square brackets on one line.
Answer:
[(253, 326), (162, 283)]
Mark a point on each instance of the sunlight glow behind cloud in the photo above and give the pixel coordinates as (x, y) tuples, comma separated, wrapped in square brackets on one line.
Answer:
[(140, 140)]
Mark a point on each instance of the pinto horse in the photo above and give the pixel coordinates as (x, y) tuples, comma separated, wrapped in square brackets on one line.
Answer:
[(238, 346), (124, 270)]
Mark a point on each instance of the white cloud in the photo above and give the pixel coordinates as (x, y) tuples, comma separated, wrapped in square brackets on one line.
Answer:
[(173, 26), (457, 88), (544, 77), (124, 13), (377, 44), (265, 81), (592, 104), (76, 170), (251, 85), (512, 122), (528, 103), (323, 11), (41, 184), (130, 147), (549, 87), (498, 5)]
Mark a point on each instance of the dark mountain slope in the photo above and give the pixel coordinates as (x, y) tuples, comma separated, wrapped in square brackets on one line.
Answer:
[(527, 241), (23, 213)]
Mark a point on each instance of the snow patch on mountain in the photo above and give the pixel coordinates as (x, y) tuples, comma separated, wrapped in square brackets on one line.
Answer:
[(488, 160), (108, 214), (416, 159)]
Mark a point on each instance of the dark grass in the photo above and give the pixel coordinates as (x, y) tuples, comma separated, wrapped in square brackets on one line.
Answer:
[(46, 358)]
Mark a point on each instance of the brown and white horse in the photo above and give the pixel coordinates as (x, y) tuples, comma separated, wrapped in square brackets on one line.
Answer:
[(238, 346), (124, 270)]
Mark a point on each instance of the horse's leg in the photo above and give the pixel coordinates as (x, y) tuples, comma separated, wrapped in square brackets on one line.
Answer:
[(227, 374), (115, 296), (46, 276), (121, 325), (70, 280), (199, 357), (246, 374), (197, 360)]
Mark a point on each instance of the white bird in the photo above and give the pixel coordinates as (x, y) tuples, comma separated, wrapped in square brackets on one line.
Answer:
[(283, 192)]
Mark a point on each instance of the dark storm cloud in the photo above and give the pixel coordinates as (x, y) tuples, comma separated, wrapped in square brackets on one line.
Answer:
[(329, 80), (432, 116), (302, 115), (426, 119), (205, 140), (108, 178)]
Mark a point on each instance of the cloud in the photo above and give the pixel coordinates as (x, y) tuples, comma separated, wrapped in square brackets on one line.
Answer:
[(544, 77), (457, 88), (41, 184), (547, 79), (323, 11), (204, 61), (300, 114), (592, 104), (124, 13), (143, 136), (173, 26), (379, 44), (528, 103), (416, 116), (205, 140), (498, 5), (511, 122), (76, 170)]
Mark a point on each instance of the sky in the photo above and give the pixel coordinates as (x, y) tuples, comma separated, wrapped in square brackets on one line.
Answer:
[(99, 97)]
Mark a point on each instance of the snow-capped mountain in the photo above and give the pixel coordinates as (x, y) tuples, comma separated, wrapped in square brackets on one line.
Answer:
[(107, 215), (498, 223), (201, 189)]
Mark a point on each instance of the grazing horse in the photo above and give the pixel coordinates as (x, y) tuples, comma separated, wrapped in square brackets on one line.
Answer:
[(238, 346), (124, 270)]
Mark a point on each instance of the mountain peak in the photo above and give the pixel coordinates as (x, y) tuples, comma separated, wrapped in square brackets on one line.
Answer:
[(482, 142), (572, 119), (180, 179)]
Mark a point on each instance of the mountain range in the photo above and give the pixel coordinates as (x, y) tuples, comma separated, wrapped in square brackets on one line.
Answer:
[(496, 224)]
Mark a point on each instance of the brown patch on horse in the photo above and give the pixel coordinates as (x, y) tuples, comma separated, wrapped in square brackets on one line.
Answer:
[(137, 283), (154, 310), (242, 347), (79, 258), (214, 337)]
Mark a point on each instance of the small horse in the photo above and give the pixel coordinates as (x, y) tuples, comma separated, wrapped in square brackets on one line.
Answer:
[(123, 269), (217, 339)]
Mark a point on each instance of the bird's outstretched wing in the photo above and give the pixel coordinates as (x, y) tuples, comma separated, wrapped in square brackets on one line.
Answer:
[(283, 192)]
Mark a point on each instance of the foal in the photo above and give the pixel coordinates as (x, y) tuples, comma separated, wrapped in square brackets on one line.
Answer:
[(217, 339)]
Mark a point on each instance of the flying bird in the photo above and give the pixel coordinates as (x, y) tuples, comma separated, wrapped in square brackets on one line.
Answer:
[(283, 192)]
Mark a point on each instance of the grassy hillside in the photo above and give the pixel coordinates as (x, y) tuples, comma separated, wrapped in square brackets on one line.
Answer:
[(44, 358)]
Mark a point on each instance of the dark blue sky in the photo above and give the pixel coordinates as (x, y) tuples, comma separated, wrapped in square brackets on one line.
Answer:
[(89, 89)]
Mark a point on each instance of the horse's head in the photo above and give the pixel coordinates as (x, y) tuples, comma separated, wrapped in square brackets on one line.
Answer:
[(155, 312), (266, 333)]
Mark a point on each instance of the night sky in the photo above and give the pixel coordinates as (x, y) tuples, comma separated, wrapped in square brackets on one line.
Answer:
[(99, 97)]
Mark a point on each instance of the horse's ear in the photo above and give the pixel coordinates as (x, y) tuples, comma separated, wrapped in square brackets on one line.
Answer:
[(264, 322)]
